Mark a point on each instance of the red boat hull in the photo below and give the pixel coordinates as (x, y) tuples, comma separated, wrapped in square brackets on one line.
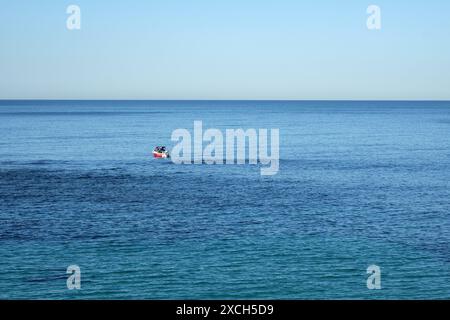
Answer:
[(159, 155)]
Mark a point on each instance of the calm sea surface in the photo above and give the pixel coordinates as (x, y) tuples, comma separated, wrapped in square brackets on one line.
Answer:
[(360, 183)]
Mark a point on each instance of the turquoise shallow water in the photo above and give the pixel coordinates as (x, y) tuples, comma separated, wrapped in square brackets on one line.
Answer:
[(360, 183)]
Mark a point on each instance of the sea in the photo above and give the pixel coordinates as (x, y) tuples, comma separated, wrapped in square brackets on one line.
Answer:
[(360, 184)]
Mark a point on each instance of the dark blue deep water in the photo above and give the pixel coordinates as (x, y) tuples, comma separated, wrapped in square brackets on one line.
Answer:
[(360, 183)]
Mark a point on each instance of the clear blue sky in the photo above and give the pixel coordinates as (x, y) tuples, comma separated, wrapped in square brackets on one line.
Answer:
[(225, 49)]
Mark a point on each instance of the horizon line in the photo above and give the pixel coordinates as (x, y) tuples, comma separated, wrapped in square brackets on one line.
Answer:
[(262, 100)]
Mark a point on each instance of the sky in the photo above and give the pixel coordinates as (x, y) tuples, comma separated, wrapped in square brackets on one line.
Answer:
[(225, 49)]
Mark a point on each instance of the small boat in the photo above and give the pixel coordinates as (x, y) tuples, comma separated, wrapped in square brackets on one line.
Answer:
[(161, 152)]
